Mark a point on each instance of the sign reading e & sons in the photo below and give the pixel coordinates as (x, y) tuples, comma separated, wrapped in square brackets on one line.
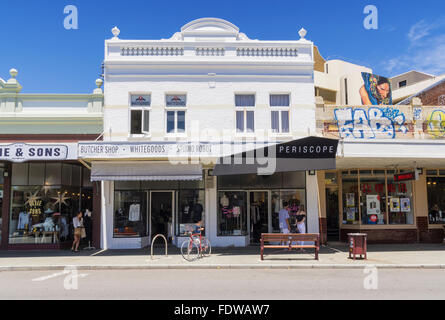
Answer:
[(22, 152)]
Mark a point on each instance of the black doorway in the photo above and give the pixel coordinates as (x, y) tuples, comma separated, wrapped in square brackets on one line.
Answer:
[(332, 214), (162, 214)]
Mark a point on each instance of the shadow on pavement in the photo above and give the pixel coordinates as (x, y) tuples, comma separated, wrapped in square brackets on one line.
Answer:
[(230, 251)]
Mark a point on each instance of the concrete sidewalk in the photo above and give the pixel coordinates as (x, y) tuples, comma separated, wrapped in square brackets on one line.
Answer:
[(333, 256)]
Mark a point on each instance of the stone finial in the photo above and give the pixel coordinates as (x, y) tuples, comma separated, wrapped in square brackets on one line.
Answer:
[(13, 72), (116, 32), (99, 83), (98, 90), (302, 33)]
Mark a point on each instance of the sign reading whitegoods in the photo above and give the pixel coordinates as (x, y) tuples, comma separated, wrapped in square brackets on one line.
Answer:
[(22, 152)]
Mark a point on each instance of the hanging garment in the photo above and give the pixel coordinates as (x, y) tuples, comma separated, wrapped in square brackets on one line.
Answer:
[(23, 220), (135, 213), (236, 211), (64, 225)]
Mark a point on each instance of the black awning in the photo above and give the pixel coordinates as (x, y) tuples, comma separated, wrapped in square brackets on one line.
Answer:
[(310, 153)]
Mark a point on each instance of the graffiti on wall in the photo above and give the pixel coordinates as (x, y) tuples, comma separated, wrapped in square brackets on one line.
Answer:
[(374, 123), (436, 124)]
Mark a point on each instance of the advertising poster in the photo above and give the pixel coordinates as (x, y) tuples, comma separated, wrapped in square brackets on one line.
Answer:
[(350, 214), (373, 204), (350, 200), (405, 205), (376, 90), (394, 205)]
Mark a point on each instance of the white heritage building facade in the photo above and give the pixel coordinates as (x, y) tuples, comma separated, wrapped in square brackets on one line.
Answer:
[(172, 107)]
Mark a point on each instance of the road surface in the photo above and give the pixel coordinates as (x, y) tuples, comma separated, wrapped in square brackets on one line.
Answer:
[(224, 284)]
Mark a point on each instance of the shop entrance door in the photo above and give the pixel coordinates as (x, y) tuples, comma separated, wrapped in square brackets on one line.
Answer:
[(259, 216), (161, 214), (332, 214)]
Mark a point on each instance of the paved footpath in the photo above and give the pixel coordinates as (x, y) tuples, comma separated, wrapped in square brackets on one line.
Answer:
[(431, 256)]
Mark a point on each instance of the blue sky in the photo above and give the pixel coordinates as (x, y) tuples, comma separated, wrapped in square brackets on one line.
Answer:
[(50, 59)]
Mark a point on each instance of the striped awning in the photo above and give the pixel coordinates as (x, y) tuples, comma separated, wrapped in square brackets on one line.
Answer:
[(145, 171)]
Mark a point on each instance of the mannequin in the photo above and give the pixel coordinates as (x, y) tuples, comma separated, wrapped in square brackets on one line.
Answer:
[(88, 223), (224, 201)]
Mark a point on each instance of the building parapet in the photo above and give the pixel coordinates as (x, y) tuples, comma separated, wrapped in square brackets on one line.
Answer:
[(380, 122)]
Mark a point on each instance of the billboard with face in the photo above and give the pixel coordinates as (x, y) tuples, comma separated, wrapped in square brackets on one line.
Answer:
[(376, 90)]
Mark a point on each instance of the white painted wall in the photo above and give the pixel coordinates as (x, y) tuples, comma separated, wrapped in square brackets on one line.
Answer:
[(334, 80)]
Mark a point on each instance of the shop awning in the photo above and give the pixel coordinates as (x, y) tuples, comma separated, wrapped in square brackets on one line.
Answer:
[(312, 153), (144, 171)]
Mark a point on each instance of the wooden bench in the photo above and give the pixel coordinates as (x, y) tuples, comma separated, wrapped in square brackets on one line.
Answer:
[(288, 241)]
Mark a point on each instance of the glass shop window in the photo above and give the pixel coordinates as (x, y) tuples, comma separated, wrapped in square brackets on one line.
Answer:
[(373, 200), (296, 200), (191, 211), (232, 213), (351, 213), (400, 202), (130, 215), (436, 200)]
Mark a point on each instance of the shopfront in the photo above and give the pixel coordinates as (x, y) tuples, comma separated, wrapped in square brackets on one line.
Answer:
[(436, 197), (40, 198), (390, 205), (144, 209), (249, 205), (146, 197), (45, 197)]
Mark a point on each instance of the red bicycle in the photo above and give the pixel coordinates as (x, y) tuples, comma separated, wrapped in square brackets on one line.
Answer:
[(196, 247)]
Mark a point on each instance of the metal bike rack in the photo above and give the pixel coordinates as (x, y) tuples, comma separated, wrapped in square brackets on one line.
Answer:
[(166, 244)]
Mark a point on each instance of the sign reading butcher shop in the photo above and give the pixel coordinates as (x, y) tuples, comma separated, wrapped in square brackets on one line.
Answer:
[(22, 152)]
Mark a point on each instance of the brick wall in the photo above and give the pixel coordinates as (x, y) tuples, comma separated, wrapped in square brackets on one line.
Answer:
[(381, 236), (430, 97)]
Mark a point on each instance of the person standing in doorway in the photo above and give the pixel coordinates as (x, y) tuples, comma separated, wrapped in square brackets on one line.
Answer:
[(284, 219), (78, 226), (301, 224)]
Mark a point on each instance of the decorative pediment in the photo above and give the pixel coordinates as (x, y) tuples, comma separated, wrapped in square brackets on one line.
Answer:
[(207, 28)]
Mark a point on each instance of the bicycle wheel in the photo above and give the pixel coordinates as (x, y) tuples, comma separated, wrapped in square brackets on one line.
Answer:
[(190, 250), (206, 247)]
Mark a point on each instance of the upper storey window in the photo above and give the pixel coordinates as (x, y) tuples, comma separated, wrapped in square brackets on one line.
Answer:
[(175, 113), (279, 104), (245, 113), (140, 113)]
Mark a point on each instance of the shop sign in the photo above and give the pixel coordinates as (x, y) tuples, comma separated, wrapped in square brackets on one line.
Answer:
[(105, 150), (407, 176), (22, 152)]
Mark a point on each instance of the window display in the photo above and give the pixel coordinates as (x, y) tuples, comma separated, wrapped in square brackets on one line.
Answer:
[(42, 214), (130, 217), (373, 199), (295, 198), (190, 210), (351, 214), (232, 213), (436, 200), (400, 196)]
